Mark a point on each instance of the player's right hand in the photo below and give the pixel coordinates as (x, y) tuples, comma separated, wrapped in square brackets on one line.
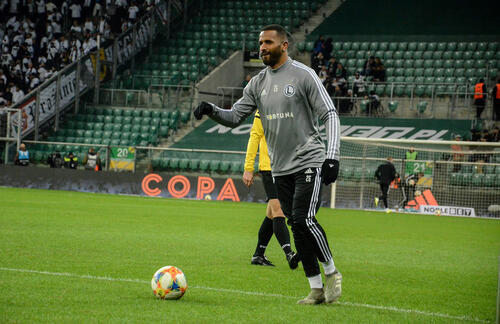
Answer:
[(248, 178), (204, 108)]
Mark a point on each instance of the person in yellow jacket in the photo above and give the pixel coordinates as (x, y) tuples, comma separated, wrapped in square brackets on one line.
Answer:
[(274, 222)]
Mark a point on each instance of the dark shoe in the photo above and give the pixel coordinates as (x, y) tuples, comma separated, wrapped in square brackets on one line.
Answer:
[(261, 260), (293, 260)]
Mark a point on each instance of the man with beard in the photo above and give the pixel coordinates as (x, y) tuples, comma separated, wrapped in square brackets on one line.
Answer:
[(291, 98)]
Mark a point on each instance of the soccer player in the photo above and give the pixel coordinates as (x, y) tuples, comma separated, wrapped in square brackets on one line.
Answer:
[(275, 219), (291, 98), (385, 174)]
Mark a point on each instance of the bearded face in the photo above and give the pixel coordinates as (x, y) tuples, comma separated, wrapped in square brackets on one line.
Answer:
[(272, 47)]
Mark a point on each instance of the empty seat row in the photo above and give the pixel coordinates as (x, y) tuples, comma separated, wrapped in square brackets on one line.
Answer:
[(410, 46), (93, 112), (219, 6), (421, 63), (474, 179), (197, 165)]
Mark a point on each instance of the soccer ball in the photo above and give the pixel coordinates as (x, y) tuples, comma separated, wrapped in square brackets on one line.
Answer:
[(417, 193), (169, 283), (411, 182), (438, 212)]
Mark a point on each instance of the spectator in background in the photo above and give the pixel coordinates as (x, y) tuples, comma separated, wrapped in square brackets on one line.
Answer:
[(336, 86), (317, 62), (17, 94), (22, 156), (70, 161), (76, 11), (457, 156), (495, 135), (98, 11), (89, 27), (31, 32), (485, 136), (87, 8), (331, 65), (479, 97), (358, 85), (495, 94), (327, 49), (475, 135), (76, 29), (323, 74), (378, 71), (369, 66), (318, 45), (92, 161), (340, 71), (374, 104), (133, 10), (55, 160)]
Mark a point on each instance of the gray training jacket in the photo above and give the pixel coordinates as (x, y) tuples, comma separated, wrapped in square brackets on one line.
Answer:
[(290, 100)]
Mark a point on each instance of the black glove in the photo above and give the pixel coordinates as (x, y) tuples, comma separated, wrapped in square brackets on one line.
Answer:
[(330, 171), (203, 108)]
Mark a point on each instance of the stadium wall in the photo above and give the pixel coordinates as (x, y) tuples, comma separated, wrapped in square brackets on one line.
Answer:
[(229, 74), (412, 20), (164, 185)]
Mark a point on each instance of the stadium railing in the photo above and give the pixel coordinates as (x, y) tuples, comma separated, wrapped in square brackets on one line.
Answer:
[(157, 96), (400, 99)]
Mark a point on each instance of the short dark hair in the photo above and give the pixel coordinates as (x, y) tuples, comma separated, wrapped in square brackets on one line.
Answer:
[(282, 32)]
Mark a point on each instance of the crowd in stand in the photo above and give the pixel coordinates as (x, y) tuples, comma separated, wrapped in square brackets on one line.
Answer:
[(485, 135), (334, 75), (39, 37)]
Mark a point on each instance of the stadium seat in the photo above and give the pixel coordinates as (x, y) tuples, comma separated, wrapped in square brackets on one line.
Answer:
[(224, 166), (393, 106), (489, 180), (422, 106), (477, 179), (214, 165)]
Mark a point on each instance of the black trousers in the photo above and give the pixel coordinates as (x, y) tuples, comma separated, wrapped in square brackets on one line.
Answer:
[(384, 187), (299, 196)]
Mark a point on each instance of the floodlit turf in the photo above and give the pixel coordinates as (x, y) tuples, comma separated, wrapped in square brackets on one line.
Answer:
[(79, 257)]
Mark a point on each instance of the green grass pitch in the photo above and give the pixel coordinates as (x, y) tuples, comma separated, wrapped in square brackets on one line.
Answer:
[(68, 257)]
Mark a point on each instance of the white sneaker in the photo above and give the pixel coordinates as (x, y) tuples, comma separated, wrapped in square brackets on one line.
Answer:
[(316, 296), (333, 287)]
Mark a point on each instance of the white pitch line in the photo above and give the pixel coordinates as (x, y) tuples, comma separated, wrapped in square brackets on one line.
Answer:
[(253, 293)]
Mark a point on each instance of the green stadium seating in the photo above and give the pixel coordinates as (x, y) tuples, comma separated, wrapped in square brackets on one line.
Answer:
[(422, 106), (193, 164), (477, 179), (204, 165), (214, 165)]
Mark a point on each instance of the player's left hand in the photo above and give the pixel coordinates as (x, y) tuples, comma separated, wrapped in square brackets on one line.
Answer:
[(330, 171), (203, 108), (248, 178)]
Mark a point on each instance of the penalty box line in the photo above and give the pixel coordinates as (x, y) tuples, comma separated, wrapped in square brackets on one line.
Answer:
[(253, 293)]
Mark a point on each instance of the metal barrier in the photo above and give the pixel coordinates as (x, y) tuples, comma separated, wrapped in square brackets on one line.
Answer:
[(124, 97), (226, 96), (159, 96), (397, 99)]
